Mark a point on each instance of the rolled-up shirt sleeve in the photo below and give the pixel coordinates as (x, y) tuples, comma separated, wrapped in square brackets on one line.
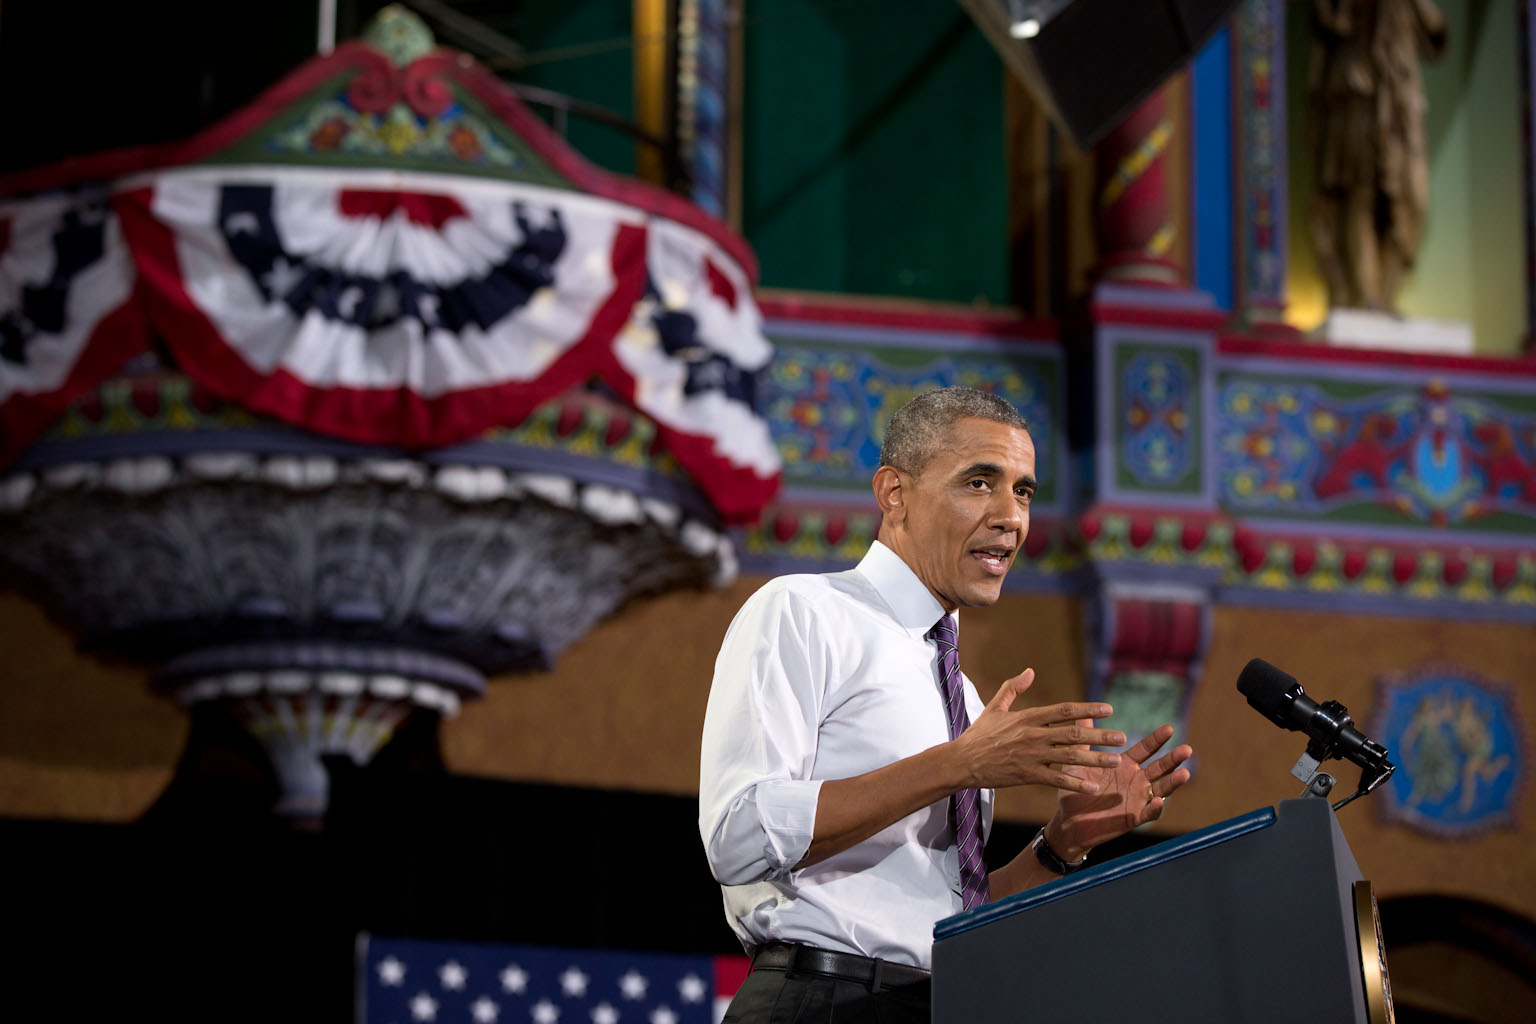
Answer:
[(757, 800)]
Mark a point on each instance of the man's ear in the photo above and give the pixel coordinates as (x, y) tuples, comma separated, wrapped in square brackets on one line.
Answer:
[(889, 495)]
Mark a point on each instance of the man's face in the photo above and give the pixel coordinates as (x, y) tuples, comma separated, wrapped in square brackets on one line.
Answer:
[(964, 517)]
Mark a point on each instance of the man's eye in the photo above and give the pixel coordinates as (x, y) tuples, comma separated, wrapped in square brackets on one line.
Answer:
[(1024, 493), (977, 484)]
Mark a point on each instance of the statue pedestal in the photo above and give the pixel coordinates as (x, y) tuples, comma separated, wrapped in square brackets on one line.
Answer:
[(1361, 328)]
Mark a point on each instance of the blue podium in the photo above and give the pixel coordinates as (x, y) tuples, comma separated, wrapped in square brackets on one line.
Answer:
[(1263, 919)]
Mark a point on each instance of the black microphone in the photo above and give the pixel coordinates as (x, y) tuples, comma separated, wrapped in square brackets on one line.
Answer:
[(1330, 731)]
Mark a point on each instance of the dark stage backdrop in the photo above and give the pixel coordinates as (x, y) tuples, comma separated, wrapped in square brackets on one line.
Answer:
[(206, 910), (207, 915)]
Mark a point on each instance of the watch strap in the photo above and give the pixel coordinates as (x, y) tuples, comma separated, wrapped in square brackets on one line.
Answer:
[(1051, 860)]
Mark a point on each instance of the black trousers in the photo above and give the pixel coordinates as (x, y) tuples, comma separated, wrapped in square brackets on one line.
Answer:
[(776, 996)]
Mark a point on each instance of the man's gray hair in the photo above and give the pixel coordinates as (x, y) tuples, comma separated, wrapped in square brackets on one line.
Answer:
[(918, 429)]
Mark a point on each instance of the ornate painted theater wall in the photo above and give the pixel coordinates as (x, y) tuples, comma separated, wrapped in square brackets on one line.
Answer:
[(1365, 522), (1362, 524)]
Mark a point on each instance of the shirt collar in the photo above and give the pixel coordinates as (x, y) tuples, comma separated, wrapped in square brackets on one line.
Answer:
[(913, 605)]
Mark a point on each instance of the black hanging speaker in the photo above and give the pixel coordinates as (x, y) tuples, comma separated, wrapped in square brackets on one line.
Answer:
[(1089, 62)]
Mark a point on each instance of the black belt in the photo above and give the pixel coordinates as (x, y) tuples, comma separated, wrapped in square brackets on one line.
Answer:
[(868, 971)]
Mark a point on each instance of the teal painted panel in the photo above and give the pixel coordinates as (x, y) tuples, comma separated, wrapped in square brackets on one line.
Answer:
[(1158, 418), (1448, 454), (827, 403)]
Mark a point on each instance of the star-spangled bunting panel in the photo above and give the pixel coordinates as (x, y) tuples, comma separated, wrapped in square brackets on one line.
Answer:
[(408, 981)]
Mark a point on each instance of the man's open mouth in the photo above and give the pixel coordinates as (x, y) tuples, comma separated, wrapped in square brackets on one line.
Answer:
[(994, 559)]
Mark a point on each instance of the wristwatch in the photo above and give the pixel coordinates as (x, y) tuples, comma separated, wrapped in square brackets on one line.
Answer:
[(1051, 860)]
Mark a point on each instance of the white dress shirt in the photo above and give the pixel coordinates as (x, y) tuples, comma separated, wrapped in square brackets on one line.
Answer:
[(828, 677)]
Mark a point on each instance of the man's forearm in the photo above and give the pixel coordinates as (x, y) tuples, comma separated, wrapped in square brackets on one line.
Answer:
[(1034, 746), (1025, 870), (849, 811)]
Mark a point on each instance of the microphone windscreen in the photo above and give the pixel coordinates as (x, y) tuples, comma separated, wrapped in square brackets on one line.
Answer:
[(1266, 687)]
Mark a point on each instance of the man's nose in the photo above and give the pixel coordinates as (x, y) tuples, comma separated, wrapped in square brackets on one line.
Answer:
[(1004, 512)]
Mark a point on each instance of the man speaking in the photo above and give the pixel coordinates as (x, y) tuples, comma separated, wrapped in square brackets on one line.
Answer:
[(848, 767)]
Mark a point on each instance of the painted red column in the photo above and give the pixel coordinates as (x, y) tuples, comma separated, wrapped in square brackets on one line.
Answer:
[(1149, 654), (1133, 217)]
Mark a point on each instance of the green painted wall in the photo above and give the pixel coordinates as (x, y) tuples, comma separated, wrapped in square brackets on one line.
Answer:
[(584, 48), (873, 138), (1474, 254), (1472, 258)]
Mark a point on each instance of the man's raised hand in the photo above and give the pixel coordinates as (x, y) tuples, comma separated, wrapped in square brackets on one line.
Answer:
[(1128, 795), (1033, 746)]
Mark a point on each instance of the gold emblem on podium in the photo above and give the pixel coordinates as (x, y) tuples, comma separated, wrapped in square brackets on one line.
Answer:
[(1373, 956)]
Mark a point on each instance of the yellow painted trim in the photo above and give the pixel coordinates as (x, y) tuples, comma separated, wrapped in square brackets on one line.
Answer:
[(650, 50)]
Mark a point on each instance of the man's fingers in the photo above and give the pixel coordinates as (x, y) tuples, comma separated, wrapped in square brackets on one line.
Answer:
[(1079, 734), (1003, 699), (1088, 758), (1073, 712), (1073, 784), (1149, 744), (1168, 762), (1166, 786)]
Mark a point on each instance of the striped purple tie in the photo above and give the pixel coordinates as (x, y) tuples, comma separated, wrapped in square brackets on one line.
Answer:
[(965, 805)]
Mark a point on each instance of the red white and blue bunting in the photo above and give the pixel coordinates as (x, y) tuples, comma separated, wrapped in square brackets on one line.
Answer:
[(391, 308), (689, 358), (66, 316), (384, 308)]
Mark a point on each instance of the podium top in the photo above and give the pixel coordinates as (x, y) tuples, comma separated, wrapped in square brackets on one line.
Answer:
[(1172, 849)]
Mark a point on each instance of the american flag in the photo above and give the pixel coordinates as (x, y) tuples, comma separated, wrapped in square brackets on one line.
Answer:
[(411, 981)]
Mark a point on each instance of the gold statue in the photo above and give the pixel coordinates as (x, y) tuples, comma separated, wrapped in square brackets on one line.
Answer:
[(1367, 112)]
